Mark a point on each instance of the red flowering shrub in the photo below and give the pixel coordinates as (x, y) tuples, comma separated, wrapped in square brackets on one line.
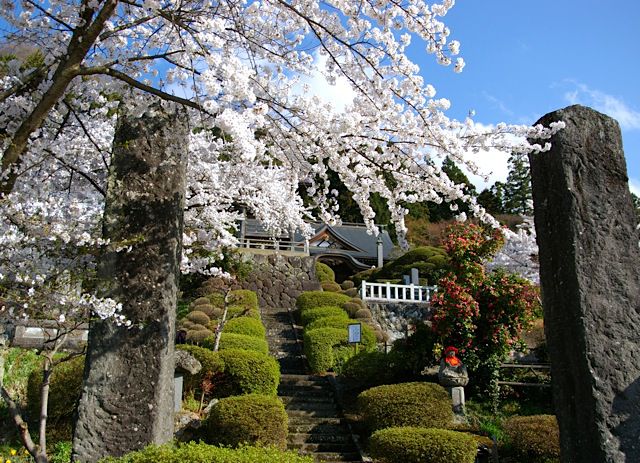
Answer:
[(482, 314)]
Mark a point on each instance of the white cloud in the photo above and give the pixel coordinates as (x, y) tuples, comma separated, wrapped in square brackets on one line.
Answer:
[(339, 95), (613, 106)]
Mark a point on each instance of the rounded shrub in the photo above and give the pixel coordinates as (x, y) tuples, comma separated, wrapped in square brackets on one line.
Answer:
[(367, 369), (351, 292), (534, 438), (422, 445), (331, 287), (251, 372), (347, 284), (198, 317), (197, 334), (200, 301), (311, 315), (193, 452), (238, 341), (208, 310), (244, 298), (314, 299), (364, 314), (324, 273), (186, 324), (216, 300), (351, 308), (245, 325), (319, 345), (406, 404), (65, 384), (368, 335), (247, 419)]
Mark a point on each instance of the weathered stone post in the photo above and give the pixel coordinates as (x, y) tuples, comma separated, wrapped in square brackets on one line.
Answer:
[(589, 269), (127, 396)]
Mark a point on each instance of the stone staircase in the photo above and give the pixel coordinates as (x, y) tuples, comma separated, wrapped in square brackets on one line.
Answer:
[(316, 426)]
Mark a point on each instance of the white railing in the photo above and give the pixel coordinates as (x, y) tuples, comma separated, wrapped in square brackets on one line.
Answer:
[(387, 292), (274, 245)]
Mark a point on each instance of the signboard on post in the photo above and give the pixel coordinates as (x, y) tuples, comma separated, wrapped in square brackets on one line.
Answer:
[(355, 333)]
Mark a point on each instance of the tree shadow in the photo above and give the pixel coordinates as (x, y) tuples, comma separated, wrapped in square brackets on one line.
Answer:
[(627, 404)]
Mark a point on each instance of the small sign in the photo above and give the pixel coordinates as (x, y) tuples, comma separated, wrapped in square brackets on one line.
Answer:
[(355, 332)]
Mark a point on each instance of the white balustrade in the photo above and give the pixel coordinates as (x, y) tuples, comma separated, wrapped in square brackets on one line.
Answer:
[(387, 292)]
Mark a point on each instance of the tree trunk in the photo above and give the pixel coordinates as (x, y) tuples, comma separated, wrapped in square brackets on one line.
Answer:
[(127, 396)]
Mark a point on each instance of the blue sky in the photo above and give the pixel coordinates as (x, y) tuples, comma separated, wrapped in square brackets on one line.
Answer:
[(527, 58)]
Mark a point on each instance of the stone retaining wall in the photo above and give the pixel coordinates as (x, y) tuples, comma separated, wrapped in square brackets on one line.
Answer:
[(394, 318), (279, 279)]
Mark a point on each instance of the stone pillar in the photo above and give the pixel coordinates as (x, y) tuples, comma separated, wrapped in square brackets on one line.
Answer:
[(589, 261), (415, 277), (127, 395), (380, 252)]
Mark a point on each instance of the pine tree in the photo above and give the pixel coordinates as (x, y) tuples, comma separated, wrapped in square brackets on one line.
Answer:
[(517, 190), (492, 199)]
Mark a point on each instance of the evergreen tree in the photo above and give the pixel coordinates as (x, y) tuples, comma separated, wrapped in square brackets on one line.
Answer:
[(442, 211), (492, 199), (517, 191), (636, 205)]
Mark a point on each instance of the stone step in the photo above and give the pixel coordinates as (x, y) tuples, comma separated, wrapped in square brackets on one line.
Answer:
[(304, 378), (335, 457), (318, 428), (301, 419), (334, 447), (319, 438), (324, 409), (311, 392), (310, 416)]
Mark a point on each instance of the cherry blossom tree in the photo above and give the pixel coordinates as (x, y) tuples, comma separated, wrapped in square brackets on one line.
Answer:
[(258, 135)]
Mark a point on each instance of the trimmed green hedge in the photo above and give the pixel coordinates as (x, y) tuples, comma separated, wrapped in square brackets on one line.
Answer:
[(247, 419), (324, 273), (319, 346), (331, 287), (368, 335), (65, 387), (201, 453), (406, 404), (369, 369), (315, 299), (251, 372), (244, 298), (422, 445), (534, 438), (238, 341), (235, 311), (311, 315), (245, 325)]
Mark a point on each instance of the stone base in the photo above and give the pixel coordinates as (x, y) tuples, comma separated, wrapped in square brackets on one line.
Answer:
[(457, 399)]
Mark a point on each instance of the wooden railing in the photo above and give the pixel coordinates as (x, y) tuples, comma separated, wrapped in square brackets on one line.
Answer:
[(274, 245), (387, 292)]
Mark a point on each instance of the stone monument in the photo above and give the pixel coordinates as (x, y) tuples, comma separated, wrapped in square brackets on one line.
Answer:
[(453, 376), (590, 278)]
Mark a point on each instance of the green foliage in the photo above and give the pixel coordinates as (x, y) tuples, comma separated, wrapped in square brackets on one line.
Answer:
[(245, 325), (61, 452), (324, 273), (368, 369), (200, 301), (240, 311), (198, 317), (251, 372), (196, 334), (442, 211), (210, 311), (311, 315), (368, 335), (238, 341), (422, 445), (406, 404), (212, 366), (517, 190), (432, 262), (319, 347), (65, 386), (216, 300), (315, 299), (364, 314), (351, 292), (247, 419), (347, 284), (534, 438), (351, 308), (416, 351), (18, 367), (244, 298), (331, 287), (203, 453)]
